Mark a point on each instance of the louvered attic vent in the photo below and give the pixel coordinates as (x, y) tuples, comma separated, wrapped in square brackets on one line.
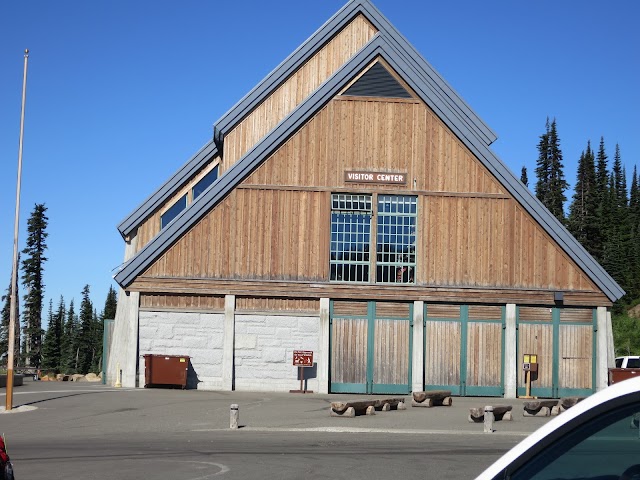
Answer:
[(377, 82)]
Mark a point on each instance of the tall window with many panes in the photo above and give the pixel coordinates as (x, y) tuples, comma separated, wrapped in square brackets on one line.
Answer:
[(352, 230)]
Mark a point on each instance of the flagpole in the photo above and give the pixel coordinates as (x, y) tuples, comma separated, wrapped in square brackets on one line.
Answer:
[(14, 269)]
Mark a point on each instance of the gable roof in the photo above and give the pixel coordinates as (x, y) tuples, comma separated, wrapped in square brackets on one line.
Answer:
[(456, 107), (291, 64), (411, 73)]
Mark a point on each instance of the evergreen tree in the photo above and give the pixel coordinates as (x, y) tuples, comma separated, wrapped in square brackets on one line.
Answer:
[(551, 184), (70, 341), (5, 315), (52, 345), (523, 177), (98, 329), (616, 244), (110, 305), (602, 172), (634, 227), (583, 221), (543, 167), (87, 332), (32, 270)]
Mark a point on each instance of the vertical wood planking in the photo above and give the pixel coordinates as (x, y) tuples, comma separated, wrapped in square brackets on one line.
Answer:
[(538, 339), (349, 351), (442, 359), (298, 87)]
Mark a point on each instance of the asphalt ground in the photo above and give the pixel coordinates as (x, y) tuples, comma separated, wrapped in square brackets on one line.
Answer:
[(160, 409), (87, 430)]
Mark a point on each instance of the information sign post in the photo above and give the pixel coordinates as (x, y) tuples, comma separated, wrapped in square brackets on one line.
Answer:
[(302, 359)]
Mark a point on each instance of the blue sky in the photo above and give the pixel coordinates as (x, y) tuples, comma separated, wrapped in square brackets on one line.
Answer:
[(121, 93)]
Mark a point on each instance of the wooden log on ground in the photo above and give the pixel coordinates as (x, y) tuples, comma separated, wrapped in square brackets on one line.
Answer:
[(432, 398), (368, 407), (500, 412), (539, 408), (349, 412), (567, 402), (387, 404)]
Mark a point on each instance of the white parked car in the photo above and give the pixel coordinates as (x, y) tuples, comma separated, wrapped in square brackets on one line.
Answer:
[(597, 439), (627, 362)]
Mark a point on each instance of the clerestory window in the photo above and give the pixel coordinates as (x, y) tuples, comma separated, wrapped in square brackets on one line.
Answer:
[(202, 184)]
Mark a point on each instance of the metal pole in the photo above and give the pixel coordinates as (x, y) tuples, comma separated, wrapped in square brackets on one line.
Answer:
[(14, 270)]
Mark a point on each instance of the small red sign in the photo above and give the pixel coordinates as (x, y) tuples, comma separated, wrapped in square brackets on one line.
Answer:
[(302, 358)]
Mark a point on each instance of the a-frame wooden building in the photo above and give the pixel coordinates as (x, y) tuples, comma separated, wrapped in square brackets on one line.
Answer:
[(350, 205)]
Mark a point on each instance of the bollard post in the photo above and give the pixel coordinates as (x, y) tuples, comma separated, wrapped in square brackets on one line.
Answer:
[(488, 419), (234, 417), (118, 383)]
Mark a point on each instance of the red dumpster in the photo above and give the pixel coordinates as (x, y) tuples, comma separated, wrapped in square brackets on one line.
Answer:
[(619, 374), (166, 370)]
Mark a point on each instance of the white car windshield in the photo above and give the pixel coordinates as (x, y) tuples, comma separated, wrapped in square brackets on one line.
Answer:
[(605, 448)]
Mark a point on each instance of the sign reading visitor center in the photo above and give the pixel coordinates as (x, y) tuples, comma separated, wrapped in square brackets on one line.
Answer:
[(376, 177)]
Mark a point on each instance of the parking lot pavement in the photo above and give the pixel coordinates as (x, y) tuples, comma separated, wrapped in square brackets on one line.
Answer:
[(74, 406)]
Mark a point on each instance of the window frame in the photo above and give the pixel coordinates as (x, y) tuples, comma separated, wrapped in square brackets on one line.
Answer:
[(368, 268)]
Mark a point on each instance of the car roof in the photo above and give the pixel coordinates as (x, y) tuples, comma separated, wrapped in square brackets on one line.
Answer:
[(569, 420)]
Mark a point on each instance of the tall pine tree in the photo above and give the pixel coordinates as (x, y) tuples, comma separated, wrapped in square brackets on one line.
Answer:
[(601, 194), (52, 345), (5, 316), (86, 338), (32, 279), (634, 226), (70, 341), (524, 178), (110, 305), (582, 221), (551, 184)]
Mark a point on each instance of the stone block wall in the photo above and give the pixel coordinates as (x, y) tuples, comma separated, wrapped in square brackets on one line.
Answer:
[(198, 335), (264, 346)]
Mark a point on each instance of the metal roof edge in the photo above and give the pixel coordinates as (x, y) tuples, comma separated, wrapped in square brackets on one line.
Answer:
[(431, 75), (508, 179), (132, 221), (287, 67)]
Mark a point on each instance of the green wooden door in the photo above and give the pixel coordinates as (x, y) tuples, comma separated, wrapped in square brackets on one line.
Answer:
[(564, 341), (464, 349), (370, 347)]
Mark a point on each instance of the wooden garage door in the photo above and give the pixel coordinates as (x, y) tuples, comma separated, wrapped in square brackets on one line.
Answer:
[(370, 347), (563, 340), (464, 347)]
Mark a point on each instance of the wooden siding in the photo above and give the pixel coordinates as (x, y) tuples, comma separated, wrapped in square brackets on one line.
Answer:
[(442, 355), (391, 352), (485, 312), (484, 354), (255, 234), (349, 350), (297, 88), (578, 315), (261, 304), (275, 225), (181, 302), (576, 357), (391, 135), (538, 339), (490, 242), (535, 314), (204, 286), (350, 308), (392, 310), (151, 226)]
